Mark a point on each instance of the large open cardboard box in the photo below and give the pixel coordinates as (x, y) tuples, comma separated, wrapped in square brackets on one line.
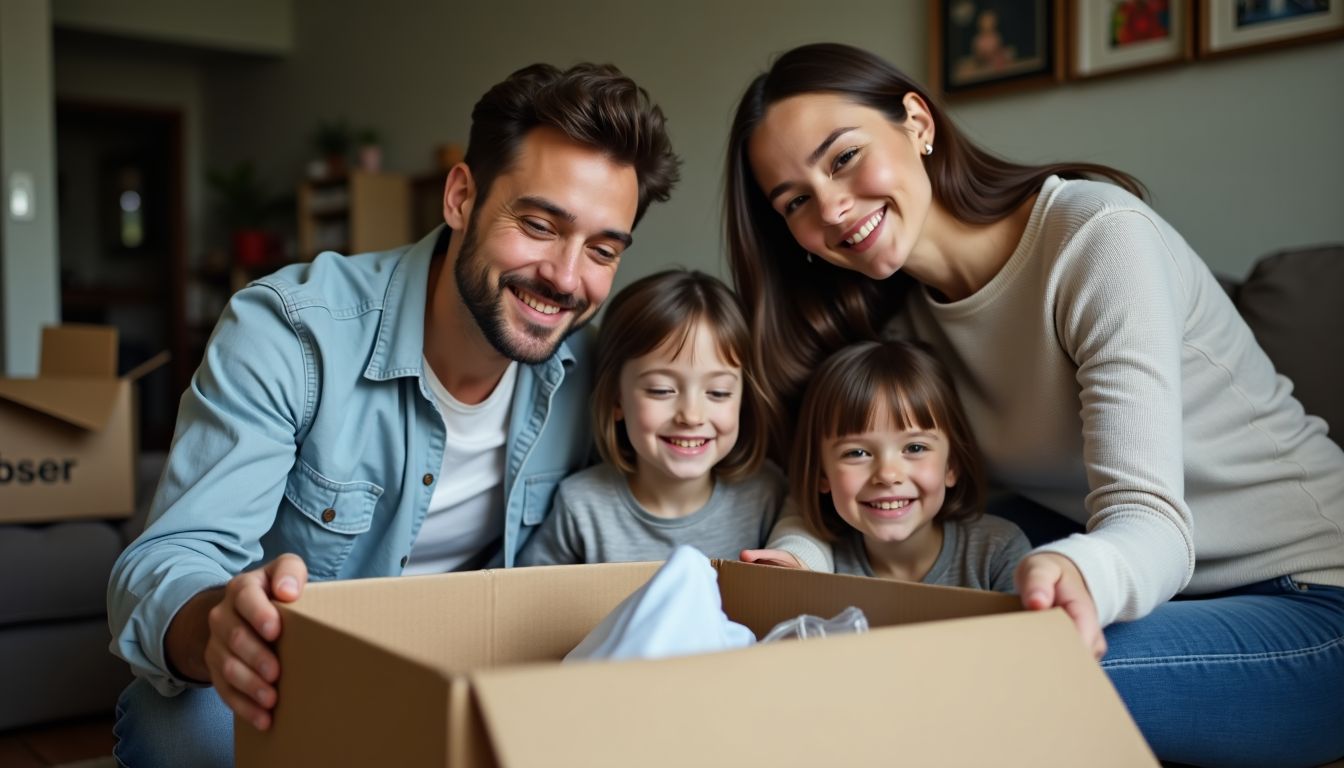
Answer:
[(67, 438), (460, 670)]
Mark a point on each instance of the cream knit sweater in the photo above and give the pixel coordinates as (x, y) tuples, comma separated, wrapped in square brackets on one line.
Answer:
[(1108, 377)]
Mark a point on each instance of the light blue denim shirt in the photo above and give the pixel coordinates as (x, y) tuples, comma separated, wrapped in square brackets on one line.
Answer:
[(308, 428)]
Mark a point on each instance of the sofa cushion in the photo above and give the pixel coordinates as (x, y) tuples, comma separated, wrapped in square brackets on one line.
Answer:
[(57, 571), (1294, 303)]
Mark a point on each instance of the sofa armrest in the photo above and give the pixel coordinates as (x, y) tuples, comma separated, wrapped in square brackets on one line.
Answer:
[(1293, 301)]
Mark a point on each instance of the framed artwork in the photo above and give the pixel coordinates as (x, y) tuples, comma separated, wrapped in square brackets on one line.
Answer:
[(989, 46), (1233, 26), (1107, 36)]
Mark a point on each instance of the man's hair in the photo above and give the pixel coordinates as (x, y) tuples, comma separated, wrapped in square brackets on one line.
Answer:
[(661, 311), (593, 104)]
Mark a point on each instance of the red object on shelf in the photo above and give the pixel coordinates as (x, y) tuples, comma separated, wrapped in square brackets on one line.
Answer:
[(251, 247)]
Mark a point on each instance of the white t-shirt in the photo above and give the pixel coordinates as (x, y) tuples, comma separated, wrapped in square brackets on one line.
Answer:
[(466, 512)]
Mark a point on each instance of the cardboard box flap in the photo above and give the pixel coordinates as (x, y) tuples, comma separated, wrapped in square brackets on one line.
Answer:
[(870, 699), (84, 402), (761, 597), (78, 350), (149, 366), (406, 615), (403, 704)]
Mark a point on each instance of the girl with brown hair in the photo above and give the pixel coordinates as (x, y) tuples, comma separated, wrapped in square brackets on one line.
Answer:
[(885, 467), (676, 416)]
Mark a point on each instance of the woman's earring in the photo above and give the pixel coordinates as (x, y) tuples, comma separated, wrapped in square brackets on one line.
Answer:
[(809, 257), (928, 149)]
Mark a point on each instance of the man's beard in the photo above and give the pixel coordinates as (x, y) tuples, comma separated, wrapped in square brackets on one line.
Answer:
[(487, 306)]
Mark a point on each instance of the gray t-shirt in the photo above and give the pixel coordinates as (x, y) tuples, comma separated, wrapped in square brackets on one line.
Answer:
[(596, 519), (980, 554)]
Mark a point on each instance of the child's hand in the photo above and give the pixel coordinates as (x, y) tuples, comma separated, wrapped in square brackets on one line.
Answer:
[(771, 557), (1050, 580)]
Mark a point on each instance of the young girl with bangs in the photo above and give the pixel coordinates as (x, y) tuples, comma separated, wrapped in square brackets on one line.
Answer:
[(885, 469), (676, 415)]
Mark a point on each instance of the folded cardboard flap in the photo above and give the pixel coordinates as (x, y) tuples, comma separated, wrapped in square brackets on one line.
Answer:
[(408, 644), (77, 380), (460, 670), (351, 700), (762, 597), (68, 438), (78, 350), (86, 403)]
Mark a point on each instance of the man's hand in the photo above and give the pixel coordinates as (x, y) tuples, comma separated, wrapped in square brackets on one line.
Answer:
[(1050, 580), (227, 636), (771, 557)]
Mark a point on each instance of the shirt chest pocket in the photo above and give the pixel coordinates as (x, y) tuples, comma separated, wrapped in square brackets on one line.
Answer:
[(538, 492), (330, 515)]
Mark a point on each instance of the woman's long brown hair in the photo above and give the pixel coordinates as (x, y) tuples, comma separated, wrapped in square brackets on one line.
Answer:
[(801, 311)]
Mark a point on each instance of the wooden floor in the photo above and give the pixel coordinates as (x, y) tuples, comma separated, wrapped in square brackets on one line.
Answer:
[(56, 743)]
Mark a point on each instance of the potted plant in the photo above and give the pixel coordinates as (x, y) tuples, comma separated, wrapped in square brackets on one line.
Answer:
[(332, 139), (245, 208)]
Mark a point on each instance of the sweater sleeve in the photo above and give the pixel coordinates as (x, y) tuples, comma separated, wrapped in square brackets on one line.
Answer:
[(791, 535), (1120, 316)]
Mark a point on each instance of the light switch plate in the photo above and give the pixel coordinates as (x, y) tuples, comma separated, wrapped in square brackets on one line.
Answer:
[(21, 197)]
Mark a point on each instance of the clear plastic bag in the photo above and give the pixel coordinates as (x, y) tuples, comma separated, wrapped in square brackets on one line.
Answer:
[(809, 627)]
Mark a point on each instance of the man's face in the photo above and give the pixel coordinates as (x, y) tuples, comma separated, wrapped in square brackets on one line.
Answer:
[(540, 251)]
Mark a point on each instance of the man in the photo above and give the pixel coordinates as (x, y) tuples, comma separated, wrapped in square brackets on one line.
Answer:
[(403, 411)]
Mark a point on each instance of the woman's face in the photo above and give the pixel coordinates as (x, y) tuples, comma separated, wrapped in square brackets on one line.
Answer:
[(850, 184)]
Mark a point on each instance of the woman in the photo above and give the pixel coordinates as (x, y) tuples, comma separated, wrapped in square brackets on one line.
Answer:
[(1106, 375)]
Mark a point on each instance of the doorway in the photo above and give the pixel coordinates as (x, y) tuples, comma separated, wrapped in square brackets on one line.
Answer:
[(122, 262)]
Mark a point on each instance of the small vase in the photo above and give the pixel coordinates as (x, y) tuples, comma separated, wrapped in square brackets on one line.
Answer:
[(371, 158)]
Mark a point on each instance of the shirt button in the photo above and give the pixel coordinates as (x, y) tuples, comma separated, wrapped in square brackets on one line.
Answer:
[(404, 561), (328, 515), (428, 479)]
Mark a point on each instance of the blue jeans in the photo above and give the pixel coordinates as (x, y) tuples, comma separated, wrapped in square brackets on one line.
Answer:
[(1253, 676), (1249, 677), (192, 730)]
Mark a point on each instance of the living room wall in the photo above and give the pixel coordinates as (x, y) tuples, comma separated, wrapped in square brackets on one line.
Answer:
[(1243, 155), (28, 285)]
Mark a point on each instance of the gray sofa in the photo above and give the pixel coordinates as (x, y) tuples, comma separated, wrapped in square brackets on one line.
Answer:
[(54, 661), (1294, 303)]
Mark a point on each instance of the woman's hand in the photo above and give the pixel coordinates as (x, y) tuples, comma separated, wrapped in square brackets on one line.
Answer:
[(1049, 580), (771, 557)]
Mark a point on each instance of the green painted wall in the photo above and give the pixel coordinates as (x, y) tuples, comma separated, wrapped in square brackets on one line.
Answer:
[(28, 275), (1243, 154)]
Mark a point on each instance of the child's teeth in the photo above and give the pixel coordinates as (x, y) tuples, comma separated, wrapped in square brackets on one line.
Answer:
[(889, 505)]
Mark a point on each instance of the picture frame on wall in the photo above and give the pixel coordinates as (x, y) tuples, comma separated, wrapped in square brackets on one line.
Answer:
[(991, 46), (1236, 26), (1109, 36)]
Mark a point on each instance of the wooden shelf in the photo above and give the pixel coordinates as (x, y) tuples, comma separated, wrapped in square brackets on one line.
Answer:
[(375, 215), (92, 296)]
